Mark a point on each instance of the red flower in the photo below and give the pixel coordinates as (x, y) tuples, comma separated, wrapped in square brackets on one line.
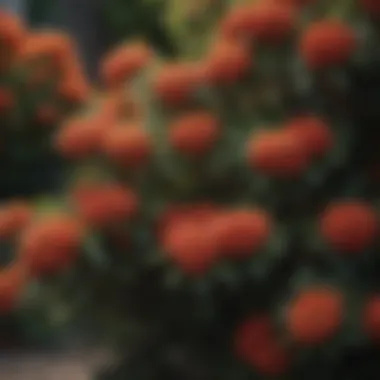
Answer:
[(79, 137), (104, 205), (227, 62), (176, 83), (192, 245), (349, 226), (277, 153), (55, 47), (267, 22), (195, 133), (194, 212), (242, 233), (129, 146), (125, 62), (51, 244), (315, 315), (327, 43), (315, 134), (255, 343), (12, 32)]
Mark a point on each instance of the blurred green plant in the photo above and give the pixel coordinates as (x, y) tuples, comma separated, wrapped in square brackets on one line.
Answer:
[(128, 19)]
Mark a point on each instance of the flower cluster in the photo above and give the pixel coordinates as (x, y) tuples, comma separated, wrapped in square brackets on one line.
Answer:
[(41, 81), (224, 207)]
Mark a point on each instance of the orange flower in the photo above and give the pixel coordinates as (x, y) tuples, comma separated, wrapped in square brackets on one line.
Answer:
[(243, 232), (265, 21), (74, 90), (227, 62), (194, 134), (194, 212), (193, 247), (277, 153), (371, 317), (349, 226), (129, 146), (315, 315), (255, 343), (80, 137), (12, 32), (55, 47), (104, 205), (176, 83), (124, 62), (315, 134), (73, 86), (51, 244), (14, 216), (327, 43), (12, 282)]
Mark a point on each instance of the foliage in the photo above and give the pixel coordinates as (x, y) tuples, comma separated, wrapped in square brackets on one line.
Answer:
[(124, 19)]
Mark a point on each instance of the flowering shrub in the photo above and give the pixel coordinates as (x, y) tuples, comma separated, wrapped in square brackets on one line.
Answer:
[(223, 218)]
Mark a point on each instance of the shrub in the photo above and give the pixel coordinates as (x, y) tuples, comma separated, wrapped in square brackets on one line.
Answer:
[(226, 221)]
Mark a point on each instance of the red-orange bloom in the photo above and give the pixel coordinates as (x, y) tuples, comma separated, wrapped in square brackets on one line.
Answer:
[(277, 153), (193, 247), (12, 32), (54, 47), (129, 146), (327, 43), (176, 83), (242, 233), (195, 133), (80, 137), (227, 62), (314, 133), (255, 343), (51, 244), (315, 315), (266, 21), (104, 205), (349, 226), (193, 212), (125, 62)]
